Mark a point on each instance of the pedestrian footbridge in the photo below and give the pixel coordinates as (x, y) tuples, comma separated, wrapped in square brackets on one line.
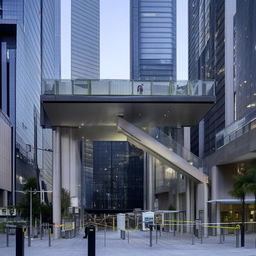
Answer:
[(136, 111)]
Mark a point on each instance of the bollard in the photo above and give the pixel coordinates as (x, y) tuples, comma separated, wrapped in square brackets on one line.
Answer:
[(221, 235), (91, 240), (237, 238), (150, 235), (7, 236), (19, 241), (105, 237), (29, 236), (49, 236), (201, 233), (156, 232), (122, 233), (128, 236), (193, 238)]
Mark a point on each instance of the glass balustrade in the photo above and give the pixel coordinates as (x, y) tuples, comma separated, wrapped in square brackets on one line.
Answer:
[(174, 146), (127, 87)]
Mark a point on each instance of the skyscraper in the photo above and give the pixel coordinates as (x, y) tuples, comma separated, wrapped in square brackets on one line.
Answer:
[(28, 36), (80, 39), (211, 57), (153, 40), (245, 58)]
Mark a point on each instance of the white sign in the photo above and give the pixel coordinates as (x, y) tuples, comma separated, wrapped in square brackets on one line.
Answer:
[(147, 219), (4, 212), (121, 221)]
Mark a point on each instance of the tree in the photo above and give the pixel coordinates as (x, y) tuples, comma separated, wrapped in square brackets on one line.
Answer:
[(24, 205), (239, 191), (65, 202), (250, 186)]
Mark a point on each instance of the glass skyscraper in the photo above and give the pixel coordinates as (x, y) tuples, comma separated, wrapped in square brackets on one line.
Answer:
[(85, 39), (245, 58), (29, 32), (153, 40), (207, 61)]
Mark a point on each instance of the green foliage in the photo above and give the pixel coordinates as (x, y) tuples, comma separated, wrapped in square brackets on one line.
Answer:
[(65, 202), (171, 208), (239, 186), (46, 210), (24, 205)]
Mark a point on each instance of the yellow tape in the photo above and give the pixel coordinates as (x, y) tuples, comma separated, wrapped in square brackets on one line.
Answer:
[(205, 226), (185, 221)]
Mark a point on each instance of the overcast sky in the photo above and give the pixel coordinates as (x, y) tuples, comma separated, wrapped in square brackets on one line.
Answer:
[(115, 39)]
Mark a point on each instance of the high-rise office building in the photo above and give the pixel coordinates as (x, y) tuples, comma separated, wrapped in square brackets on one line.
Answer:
[(245, 58), (29, 45), (80, 39), (153, 40), (211, 57)]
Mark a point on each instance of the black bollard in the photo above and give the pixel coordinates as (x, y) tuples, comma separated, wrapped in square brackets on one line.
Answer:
[(91, 240), (150, 235), (19, 241)]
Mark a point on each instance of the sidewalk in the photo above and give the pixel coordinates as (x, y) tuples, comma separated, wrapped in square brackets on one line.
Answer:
[(138, 245)]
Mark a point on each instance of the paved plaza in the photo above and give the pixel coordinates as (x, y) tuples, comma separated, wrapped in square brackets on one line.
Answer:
[(137, 245)]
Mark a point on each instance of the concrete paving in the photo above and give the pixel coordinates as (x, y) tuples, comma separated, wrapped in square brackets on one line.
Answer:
[(137, 245)]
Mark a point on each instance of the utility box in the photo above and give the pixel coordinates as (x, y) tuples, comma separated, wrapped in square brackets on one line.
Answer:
[(147, 220)]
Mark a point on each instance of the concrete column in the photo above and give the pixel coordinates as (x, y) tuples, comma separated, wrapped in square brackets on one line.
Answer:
[(205, 187), (5, 198), (218, 220), (65, 160), (192, 202), (188, 204), (56, 182), (145, 183), (178, 201), (150, 194)]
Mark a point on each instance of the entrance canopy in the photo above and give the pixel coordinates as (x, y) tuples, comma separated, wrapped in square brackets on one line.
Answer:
[(87, 104)]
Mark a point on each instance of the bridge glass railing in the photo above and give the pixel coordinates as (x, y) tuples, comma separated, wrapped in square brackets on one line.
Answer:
[(177, 148), (127, 87), (236, 129)]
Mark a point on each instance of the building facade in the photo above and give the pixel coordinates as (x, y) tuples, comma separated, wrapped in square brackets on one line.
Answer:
[(28, 38), (210, 57), (153, 40), (245, 58)]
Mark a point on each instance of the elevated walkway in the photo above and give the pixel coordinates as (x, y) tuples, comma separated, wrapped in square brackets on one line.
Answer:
[(183, 162)]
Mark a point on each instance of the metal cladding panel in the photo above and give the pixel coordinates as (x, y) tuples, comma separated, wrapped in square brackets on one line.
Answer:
[(85, 39)]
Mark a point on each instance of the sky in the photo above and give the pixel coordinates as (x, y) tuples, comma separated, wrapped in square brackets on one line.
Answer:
[(115, 39)]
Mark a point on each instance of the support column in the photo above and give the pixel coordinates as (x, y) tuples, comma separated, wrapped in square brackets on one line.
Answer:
[(188, 204), (218, 220), (205, 187), (5, 198), (56, 183), (192, 204), (150, 194), (178, 202)]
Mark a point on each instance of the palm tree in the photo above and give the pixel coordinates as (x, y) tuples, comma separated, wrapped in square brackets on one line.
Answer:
[(239, 191)]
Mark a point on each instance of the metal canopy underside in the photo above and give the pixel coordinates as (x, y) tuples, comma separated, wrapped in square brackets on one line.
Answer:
[(72, 111)]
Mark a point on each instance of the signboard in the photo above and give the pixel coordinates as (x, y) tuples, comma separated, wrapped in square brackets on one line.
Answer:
[(121, 221), (147, 219), (4, 212)]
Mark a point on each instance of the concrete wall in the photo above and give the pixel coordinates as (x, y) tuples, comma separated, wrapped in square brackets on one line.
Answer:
[(5, 156)]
